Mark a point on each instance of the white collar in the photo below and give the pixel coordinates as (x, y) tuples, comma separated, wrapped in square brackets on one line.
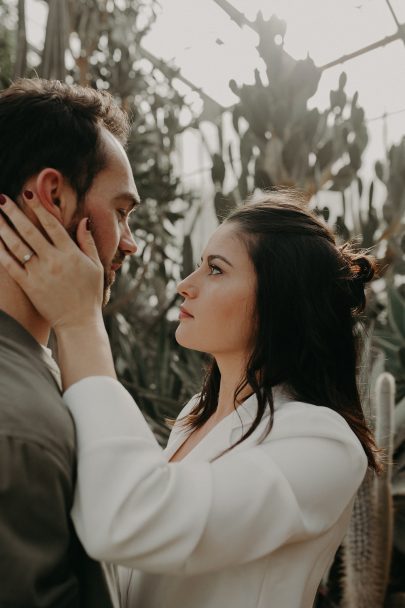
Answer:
[(228, 430), (52, 365)]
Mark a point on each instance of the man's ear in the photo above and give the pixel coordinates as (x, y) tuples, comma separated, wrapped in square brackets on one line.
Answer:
[(55, 194)]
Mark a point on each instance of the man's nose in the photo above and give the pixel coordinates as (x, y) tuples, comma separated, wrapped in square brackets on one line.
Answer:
[(127, 243)]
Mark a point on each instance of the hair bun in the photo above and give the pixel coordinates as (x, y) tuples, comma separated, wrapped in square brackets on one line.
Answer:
[(363, 269), (358, 269)]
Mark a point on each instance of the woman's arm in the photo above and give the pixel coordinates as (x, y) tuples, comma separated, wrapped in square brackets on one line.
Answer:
[(84, 351), (134, 508)]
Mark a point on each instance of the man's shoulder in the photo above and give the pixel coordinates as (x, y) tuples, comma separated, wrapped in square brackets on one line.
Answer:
[(31, 406)]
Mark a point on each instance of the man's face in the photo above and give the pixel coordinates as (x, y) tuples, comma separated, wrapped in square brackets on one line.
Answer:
[(108, 204)]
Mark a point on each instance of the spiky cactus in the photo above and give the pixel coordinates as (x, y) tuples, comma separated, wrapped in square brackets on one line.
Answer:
[(368, 543)]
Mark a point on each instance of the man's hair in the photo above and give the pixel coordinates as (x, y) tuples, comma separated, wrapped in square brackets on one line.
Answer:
[(47, 123)]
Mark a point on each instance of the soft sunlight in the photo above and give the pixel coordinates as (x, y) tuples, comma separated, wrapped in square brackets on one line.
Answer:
[(210, 49)]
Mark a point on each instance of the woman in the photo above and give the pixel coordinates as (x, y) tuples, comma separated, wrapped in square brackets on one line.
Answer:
[(250, 500)]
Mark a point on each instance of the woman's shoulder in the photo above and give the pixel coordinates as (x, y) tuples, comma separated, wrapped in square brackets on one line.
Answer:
[(302, 419)]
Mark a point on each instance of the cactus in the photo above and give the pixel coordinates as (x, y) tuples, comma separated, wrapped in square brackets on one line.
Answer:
[(286, 143), (368, 543)]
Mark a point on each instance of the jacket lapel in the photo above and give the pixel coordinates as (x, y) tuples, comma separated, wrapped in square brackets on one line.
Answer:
[(227, 432)]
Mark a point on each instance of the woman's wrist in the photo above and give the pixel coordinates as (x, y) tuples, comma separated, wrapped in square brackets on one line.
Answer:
[(79, 322), (80, 326), (84, 350)]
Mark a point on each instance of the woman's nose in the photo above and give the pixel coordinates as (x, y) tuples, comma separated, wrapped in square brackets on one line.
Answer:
[(187, 289)]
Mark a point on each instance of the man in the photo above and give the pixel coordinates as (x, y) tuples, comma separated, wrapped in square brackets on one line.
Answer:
[(64, 145)]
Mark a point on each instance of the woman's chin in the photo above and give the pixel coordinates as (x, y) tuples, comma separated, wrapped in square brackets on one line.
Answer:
[(185, 341), (180, 339)]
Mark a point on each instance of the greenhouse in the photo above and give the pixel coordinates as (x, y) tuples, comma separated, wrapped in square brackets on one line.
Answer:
[(267, 137)]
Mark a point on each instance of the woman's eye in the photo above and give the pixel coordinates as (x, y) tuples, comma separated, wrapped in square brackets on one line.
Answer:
[(214, 269)]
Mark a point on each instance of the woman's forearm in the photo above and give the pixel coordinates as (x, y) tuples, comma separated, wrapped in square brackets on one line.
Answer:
[(84, 351)]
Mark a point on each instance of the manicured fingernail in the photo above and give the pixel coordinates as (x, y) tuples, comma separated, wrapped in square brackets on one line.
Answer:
[(2, 199), (28, 194)]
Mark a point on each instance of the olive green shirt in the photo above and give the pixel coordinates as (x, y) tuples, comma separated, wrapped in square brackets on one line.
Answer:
[(42, 563)]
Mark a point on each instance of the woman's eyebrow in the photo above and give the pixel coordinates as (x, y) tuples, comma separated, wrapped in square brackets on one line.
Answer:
[(210, 258)]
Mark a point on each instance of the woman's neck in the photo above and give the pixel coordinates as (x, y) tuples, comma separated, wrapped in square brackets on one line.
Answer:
[(232, 370)]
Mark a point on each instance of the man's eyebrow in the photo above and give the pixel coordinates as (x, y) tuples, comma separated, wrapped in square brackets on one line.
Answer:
[(130, 198), (216, 256)]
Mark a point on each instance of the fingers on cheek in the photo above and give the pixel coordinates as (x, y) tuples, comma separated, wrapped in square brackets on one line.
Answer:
[(16, 247), (8, 263)]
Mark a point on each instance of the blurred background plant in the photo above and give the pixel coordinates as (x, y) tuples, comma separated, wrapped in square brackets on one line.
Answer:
[(277, 139), (7, 43)]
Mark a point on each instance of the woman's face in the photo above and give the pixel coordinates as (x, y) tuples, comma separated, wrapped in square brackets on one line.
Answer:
[(217, 315)]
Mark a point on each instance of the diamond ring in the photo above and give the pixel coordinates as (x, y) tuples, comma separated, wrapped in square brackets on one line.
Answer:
[(27, 258)]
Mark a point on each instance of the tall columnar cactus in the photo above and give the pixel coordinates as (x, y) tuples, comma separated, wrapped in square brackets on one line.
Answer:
[(368, 544)]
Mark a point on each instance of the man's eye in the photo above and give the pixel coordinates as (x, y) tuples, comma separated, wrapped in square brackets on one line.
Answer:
[(122, 213)]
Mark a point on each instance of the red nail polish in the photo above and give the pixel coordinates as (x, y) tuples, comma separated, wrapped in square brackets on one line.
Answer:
[(28, 194), (2, 199)]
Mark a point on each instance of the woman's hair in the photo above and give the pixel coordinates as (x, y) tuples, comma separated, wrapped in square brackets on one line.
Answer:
[(310, 293)]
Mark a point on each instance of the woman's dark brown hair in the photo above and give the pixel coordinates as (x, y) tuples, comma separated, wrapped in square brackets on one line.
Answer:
[(310, 294)]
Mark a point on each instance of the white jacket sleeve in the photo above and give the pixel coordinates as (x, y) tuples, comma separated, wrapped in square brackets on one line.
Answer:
[(134, 508)]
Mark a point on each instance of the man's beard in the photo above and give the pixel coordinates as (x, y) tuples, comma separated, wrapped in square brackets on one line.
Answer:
[(108, 277)]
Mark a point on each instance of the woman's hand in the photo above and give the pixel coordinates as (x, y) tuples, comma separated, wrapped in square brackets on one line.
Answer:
[(64, 283)]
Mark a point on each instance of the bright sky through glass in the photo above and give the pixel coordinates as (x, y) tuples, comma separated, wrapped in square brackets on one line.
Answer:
[(209, 48)]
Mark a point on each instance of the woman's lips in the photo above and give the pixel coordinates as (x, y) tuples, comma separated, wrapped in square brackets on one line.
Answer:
[(184, 314)]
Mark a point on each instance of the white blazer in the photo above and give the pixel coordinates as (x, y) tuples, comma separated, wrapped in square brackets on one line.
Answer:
[(256, 528)]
